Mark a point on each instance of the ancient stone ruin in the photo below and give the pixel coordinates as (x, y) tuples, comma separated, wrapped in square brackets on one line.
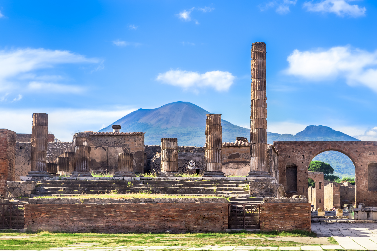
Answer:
[(263, 183)]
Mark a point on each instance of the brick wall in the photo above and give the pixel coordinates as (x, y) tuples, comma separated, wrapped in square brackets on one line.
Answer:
[(285, 216), (128, 217), (7, 158), (347, 193)]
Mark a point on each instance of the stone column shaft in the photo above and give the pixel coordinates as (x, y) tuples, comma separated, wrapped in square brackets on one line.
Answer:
[(39, 141), (258, 118), (213, 145), (169, 156), (82, 157)]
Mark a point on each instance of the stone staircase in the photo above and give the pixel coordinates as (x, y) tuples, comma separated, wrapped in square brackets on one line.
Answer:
[(227, 188)]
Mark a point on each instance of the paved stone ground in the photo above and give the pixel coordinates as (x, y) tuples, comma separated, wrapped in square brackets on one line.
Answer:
[(353, 236)]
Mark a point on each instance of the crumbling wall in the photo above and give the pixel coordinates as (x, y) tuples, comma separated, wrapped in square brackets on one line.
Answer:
[(347, 193), (105, 147), (332, 195), (318, 191), (56, 149), (7, 158), (24, 137), (236, 158)]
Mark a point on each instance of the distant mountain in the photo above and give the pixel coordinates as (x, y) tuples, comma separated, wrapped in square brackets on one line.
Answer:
[(186, 121)]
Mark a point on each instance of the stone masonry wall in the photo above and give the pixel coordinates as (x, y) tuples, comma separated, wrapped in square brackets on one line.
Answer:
[(318, 191), (236, 158), (332, 195), (127, 217), (301, 153), (24, 137), (347, 193), (285, 216), (7, 158)]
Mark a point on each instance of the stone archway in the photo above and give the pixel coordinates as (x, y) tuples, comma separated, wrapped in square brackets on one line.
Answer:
[(301, 153)]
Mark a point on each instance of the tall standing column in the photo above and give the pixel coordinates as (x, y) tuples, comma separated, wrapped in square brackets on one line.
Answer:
[(169, 156), (213, 146), (7, 159), (39, 143), (82, 157), (258, 119)]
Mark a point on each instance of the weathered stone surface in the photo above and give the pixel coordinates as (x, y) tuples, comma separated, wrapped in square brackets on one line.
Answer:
[(126, 217), (258, 118), (125, 165), (17, 189), (213, 145), (7, 159), (317, 192), (169, 156), (301, 153), (285, 216), (332, 195)]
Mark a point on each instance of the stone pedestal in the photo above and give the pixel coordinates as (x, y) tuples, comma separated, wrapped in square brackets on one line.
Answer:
[(213, 146), (125, 165), (39, 141), (169, 156)]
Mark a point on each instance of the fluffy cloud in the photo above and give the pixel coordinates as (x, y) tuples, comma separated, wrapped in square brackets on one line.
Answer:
[(18, 65), (368, 135), (63, 123), (185, 14), (219, 80), (133, 27), (1, 15), (124, 43), (19, 97), (339, 7), (357, 66)]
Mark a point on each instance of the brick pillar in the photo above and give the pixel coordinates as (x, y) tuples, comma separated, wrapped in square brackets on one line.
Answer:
[(39, 142), (125, 165), (82, 157), (169, 156), (7, 159), (258, 119), (213, 145)]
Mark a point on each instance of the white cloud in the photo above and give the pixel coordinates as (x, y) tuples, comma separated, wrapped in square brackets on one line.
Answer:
[(19, 97), (285, 127), (281, 7), (206, 9), (54, 88), (133, 27), (219, 80), (357, 66), (18, 65), (4, 97), (185, 14), (1, 15), (124, 43), (368, 135), (63, 123), (339, 7)]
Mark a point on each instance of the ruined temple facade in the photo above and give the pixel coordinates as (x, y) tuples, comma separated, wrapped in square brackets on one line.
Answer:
[(213, 145), (258, 118)]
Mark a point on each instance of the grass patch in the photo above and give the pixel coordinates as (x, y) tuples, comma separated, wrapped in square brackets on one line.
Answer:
[(332, 241), (46, 240), (142, 195), (101, 175), (294, 233)]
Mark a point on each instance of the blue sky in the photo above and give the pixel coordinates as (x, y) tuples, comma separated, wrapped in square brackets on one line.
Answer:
[(89, 63)]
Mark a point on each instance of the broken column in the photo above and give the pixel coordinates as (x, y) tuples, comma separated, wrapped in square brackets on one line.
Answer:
[(169, 156), (7, 159), (213, 146), (39, 143), (82, 154), (125, 165), (258, 118)]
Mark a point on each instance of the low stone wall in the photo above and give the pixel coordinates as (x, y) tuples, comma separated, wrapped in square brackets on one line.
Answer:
[(285, 216), (155, 216), (17, 189)]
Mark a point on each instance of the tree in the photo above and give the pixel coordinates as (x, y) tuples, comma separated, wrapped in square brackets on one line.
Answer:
[(311, 183), (319, 166)]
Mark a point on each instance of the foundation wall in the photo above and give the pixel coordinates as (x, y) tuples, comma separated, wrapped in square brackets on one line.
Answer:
[(128, 217), (285, 216)]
